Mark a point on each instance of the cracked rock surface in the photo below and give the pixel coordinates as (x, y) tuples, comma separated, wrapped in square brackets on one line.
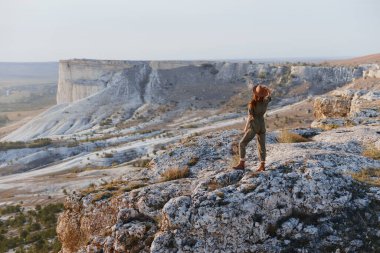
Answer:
[(306, 200)]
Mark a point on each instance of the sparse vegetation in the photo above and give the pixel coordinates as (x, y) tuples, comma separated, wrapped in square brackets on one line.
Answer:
[(107, 155), (213, 185), (101, 196), (30, 231), (21, 144), (175, 173), (330, 126), (189, 126), (262, 75), (289, 137), (144, 163), (72, 144), (106, 122), (134, 185), (108, 189), (90, 189), (372, 152), (220, 194), (193, 160), (248, 188), (369, 176)]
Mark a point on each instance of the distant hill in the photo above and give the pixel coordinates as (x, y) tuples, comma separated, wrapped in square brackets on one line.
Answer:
[(372, 58)]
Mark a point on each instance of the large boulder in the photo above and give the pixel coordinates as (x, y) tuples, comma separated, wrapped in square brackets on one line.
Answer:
[(347, 107), (335, 106)]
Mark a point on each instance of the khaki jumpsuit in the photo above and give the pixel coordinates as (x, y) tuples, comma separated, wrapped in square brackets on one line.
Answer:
[(256, 126)]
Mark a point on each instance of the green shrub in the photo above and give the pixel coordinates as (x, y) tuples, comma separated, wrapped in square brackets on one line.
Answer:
[(10, 209), (35, 228)]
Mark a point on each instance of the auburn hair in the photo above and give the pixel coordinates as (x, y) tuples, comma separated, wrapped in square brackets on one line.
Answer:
[(255, 99)]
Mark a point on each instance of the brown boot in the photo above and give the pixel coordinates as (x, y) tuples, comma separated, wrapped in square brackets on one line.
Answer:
[(261, 167), (239, 166)]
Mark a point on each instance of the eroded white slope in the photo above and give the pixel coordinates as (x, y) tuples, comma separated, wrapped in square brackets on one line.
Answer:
[(90, 91)]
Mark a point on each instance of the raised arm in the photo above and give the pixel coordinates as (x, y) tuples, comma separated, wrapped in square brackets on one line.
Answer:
[(268, 97)]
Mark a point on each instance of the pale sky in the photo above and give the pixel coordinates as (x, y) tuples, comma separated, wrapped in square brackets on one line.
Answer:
[(50, 30)]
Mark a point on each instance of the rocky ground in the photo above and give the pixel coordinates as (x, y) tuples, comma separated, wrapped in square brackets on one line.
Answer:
[(308, 200)]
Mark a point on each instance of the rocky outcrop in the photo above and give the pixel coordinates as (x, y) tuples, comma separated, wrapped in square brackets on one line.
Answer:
[(92, 91), (371, 70), (347, 107), (305, 201), (332, 106)]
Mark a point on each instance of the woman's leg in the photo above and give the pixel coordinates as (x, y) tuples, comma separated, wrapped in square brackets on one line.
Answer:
[(261, 146), (248, 136), (261, 150)]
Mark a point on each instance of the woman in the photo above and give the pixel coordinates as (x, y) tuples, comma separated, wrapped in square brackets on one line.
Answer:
[(255, 125)]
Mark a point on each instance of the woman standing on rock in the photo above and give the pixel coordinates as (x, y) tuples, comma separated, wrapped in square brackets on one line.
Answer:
[(255, 125)]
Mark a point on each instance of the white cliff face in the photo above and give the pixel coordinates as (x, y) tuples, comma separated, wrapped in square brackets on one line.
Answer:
[(79, 79), (90, 91), (325, 75)]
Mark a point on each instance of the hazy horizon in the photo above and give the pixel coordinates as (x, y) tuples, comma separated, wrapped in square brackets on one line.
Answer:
[(290, 59), (48, 31)]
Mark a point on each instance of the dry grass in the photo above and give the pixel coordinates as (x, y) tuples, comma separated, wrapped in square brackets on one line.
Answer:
[(101, 196), (143, 163), (369, 176), (220, 194), (213, 185), (289, 137), (248, 188), (372, 152), (175, 173), (193, 161), (330, 127), (90, 189), (134, 185)]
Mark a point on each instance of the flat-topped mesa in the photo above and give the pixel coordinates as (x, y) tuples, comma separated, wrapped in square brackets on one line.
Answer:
[(80, 78)]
